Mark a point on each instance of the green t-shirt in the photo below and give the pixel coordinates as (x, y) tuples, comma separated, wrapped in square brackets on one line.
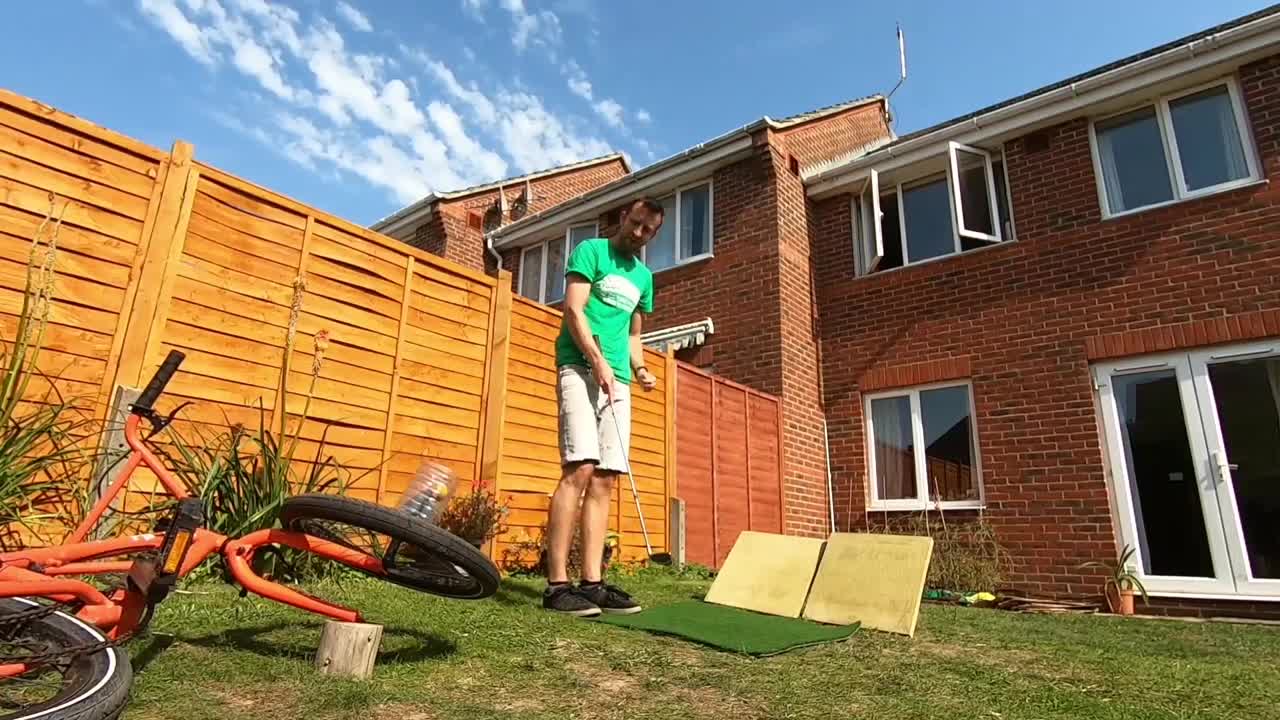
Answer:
[(619, 286)]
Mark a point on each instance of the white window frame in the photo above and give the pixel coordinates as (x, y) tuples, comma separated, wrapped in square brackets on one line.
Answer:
[(924, 489), (711, 222), (1168, 140), (543, 277), (869, 236)]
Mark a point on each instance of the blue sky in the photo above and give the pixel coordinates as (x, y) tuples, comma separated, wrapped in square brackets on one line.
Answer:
[(359, 107)]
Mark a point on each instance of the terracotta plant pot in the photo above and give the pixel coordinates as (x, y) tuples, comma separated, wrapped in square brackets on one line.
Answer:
[(1126, 602), (1119, 601)]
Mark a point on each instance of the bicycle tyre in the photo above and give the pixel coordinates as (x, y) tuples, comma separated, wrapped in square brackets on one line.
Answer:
[(101, 681), (483, 575)]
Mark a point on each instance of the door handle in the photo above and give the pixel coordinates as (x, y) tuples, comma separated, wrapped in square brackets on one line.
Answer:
[(1223, 467)]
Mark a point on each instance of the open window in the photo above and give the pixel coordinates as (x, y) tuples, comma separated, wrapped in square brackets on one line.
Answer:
[(951, 203), (973, 193), (872, 237)]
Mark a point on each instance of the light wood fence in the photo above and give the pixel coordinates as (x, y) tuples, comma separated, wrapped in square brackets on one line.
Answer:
[(421, 357)]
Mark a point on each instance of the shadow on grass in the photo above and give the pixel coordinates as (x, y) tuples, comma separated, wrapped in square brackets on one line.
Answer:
[(510, 593), (399, 645), (157, 644)]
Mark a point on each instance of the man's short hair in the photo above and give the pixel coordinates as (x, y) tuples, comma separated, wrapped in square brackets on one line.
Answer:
[(650, 204)]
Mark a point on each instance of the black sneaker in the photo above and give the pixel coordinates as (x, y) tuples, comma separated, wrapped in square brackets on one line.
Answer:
[(568, 600), (609, 598)]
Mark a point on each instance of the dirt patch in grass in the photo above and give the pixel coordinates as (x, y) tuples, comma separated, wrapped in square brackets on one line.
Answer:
[(256, 700), (401, 711)]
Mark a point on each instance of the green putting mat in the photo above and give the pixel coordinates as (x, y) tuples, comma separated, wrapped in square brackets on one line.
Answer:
[(731, 628)]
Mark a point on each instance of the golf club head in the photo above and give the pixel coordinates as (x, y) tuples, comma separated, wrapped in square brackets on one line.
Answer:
[(660, 559)]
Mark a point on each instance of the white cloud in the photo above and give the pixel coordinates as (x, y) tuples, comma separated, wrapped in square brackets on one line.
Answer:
[(611, 111), (643, 116), (540, 28), (357, 19), (405, 127)]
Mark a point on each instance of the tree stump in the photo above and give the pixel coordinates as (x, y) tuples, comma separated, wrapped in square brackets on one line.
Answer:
[(348, 649)]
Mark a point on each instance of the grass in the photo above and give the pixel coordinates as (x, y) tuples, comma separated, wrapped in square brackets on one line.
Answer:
[(215, 656)]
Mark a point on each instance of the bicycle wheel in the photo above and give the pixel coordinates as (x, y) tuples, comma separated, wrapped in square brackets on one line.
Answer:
[(415, 553), (89, 686)]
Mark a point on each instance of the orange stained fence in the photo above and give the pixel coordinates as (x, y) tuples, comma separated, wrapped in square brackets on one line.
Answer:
[(728, 452), (419, 357)]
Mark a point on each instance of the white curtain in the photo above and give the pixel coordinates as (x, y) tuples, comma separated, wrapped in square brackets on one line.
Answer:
[(895, 462), (1110, 171), (1229, 132)]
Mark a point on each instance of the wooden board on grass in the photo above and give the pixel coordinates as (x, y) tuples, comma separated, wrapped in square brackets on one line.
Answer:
[(767, 573), (871, 578)]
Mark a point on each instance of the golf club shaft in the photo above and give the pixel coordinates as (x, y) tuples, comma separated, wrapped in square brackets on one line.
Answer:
[(635, 494)]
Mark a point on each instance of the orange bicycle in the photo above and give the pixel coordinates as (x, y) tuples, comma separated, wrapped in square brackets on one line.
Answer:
[(52, 624)]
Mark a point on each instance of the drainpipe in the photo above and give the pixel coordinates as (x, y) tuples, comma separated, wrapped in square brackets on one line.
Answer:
[(831, 498), (488, 245)]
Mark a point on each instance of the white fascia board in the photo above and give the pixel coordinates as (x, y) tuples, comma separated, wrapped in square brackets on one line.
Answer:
[(589, 210), (1231, 47)]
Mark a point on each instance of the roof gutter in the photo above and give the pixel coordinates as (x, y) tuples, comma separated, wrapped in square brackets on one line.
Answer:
[(1224, 46), (698, 156)]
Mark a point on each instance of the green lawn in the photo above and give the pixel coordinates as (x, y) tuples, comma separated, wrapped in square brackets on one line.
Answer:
[(215, 656)]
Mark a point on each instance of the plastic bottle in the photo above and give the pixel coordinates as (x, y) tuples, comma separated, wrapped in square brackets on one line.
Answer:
[(429, 492)]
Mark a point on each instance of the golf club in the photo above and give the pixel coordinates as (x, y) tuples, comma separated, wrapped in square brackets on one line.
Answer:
[(657, 558)]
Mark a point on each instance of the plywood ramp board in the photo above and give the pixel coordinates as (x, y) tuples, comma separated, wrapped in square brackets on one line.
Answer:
[(873, 579), (767, 573)]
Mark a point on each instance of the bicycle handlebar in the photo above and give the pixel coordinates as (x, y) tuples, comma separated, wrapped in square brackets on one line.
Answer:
[(159, 381)]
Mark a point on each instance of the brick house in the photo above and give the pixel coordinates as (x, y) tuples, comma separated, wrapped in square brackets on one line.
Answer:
[(732, 275), (452, 224), (1063, 312), (1060, 313)]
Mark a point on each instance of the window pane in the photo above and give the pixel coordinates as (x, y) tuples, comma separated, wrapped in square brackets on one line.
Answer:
[(890, 232), (695, 221), (975, 200), (660, 252), (948, 443), (1002, 200), (531, 273), (1131, 156), (555, 271), (1209, 147), (928, 214), (580, 233), (894, 450)]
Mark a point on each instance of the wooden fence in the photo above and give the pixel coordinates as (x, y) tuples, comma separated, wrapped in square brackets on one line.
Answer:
[(729, 452), (420, 357)]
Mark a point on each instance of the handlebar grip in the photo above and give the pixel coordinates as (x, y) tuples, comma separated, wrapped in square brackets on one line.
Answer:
[(159, 380)]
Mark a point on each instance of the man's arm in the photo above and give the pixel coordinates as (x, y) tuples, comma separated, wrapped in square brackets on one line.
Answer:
[(576, 293), (637, 348)]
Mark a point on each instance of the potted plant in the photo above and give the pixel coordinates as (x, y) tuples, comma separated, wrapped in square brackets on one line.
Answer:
[(475, 517), (1123, 579)]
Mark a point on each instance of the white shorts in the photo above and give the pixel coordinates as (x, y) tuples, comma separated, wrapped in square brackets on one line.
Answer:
[(588, 426)]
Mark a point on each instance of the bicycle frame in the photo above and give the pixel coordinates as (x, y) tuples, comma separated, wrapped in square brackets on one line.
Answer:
[(45, 572)]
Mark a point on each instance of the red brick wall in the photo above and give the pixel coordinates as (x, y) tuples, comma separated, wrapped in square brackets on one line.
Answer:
[(836, 135), (1024, 316), (448, 234)]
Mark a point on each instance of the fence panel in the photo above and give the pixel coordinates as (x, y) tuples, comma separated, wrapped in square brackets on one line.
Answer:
[(727, 452), (420, 356)]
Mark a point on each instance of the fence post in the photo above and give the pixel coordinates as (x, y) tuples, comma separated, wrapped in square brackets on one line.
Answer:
[(494, 405), (672, 369), (405, 303), (160, 247)]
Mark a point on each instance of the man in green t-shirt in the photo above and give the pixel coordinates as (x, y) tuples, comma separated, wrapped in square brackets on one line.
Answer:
[(598, 352)]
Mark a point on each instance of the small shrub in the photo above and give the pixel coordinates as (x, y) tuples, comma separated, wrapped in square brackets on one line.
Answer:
[(475, 517)]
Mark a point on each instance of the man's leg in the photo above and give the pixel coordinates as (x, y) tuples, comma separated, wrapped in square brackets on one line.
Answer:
[(579, 452), (595, 521), (614, 439), (563, 514)]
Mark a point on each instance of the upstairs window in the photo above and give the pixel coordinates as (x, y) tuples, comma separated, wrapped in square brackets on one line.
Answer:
[(542, 266), (685, 234), (963, 207), (1177, 148)]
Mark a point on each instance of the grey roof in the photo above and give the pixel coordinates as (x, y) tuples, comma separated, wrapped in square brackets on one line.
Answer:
[(452, 194), (1242, 20), (824, 111)]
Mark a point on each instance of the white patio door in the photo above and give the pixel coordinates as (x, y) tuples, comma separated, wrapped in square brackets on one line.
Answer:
[(1194, 442)]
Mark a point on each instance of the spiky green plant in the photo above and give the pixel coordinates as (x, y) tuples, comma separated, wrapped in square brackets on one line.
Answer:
[(1120, 573), (41, 450)]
